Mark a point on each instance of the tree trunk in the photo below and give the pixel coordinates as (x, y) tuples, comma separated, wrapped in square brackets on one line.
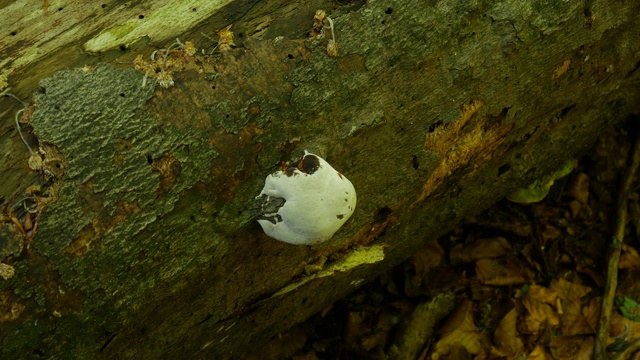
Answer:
[(143, 242)]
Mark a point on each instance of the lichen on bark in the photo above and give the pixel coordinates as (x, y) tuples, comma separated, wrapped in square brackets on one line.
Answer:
[(112, 146), (123, 171)]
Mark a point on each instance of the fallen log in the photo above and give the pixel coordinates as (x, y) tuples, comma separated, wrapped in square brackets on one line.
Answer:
[(133, 233)]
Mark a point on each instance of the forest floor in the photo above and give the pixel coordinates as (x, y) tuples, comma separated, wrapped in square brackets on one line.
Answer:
[(528, 282)]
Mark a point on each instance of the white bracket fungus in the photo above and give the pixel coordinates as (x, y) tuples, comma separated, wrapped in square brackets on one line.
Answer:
[(307, 203)]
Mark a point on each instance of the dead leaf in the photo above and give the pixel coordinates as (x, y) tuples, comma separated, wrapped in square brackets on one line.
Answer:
[(355, 325), (574, 322), (539, 353), (572, 347), (543, 308), (575, 207), (550, 232), (579, 188), (501, 272), (423, 261), (544, 295), (569, 291), (427, 258), (505, 340), (591, 311), (629, 258), (460, 329), (487, 248), (621, 327)]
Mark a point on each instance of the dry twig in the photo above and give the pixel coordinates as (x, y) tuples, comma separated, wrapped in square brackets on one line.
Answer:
[(602, 334)]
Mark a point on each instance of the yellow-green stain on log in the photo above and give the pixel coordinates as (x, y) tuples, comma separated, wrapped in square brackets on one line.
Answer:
[(159, 25), (358, 257)]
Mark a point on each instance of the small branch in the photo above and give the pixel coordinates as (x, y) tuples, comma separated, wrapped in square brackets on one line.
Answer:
[(602, 334)]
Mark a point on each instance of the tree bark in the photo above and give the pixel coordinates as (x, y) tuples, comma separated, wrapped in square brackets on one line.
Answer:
[(146, 243)]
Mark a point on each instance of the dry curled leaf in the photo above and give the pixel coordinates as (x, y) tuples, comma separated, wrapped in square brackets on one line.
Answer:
[(506, 342), (487, 248), (579, 188), (460, 330), (500, 272), (543, 308)]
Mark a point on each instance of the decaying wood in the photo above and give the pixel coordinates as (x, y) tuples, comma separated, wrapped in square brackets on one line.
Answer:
[(142, 241)]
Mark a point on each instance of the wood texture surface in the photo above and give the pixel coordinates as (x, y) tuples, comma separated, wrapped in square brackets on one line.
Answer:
[(149, 249)]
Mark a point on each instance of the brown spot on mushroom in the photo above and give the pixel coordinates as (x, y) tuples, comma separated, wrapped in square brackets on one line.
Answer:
[(290, 171), (309, 164), (340, 216)]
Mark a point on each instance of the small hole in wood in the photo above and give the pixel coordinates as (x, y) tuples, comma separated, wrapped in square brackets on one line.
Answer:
[(503, 169)]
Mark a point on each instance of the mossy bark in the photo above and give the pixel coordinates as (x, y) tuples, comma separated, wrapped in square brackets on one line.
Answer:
[(434, 110)]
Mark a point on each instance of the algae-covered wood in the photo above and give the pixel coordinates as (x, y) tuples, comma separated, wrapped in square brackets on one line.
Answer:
[(146, 243)]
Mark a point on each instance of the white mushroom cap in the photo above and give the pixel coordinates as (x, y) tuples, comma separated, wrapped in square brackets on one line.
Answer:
[(318, 201)]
